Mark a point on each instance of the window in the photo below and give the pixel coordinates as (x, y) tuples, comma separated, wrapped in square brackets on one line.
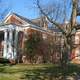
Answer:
[(76, 39), (77, 53), (44, 36)]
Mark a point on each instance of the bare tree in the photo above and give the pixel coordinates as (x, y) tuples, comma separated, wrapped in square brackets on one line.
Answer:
[(60, 12)]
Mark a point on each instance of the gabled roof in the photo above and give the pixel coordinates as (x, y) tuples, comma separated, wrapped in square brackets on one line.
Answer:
[(32, 23), (19, 17)]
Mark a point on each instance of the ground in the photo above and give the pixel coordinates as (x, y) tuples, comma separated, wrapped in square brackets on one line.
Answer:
[(39, 72)]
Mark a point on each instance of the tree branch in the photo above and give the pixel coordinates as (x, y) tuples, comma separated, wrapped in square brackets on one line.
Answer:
[(74, 13), (50, 20)]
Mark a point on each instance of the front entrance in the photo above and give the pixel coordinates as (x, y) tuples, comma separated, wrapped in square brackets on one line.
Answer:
[(8, 42), (9, 45), (1, 43), (11, 41)]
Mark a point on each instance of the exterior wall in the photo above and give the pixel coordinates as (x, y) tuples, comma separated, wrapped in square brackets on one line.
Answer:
[(1, 43), (20, 39), (76, 51), (1, 48), (51, 45)]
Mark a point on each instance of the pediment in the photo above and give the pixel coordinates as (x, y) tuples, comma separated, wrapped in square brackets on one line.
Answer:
[(15, 19)]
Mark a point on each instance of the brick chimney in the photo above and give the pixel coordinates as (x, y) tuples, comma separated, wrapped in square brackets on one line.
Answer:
[(44, 22)]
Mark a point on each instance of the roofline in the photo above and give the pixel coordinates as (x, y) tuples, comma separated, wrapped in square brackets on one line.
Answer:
[(10, 13), (32, 27)]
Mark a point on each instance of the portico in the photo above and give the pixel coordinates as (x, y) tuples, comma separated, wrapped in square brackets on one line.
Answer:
[(8, 44), (9, 41)]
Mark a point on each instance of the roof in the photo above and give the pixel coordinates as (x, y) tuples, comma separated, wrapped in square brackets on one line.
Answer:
[(54, 29), (33, 21)]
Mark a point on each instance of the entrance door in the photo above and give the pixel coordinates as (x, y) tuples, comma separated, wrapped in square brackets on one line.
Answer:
[(1, 43)]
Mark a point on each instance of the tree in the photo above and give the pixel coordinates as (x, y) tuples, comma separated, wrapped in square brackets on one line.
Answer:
[(31, 45), (49, 11)]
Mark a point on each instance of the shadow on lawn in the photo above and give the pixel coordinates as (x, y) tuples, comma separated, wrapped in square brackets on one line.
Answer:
[(53, 73), (2, 67)]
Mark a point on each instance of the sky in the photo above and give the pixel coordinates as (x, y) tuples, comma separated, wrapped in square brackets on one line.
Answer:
[(24, 8)]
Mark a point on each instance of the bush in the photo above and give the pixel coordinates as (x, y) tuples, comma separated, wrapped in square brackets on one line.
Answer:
[(2, 60), (12, 61)]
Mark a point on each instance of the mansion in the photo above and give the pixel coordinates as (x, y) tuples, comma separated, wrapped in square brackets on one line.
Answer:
[(14, 32), (16, 29)]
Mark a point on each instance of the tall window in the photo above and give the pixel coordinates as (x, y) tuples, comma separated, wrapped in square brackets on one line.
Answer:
[(77, 53), (77, 39)]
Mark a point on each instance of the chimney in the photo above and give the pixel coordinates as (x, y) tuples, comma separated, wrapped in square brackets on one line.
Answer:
[(45, 23)]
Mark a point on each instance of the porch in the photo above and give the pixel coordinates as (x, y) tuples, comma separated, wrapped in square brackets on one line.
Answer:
[(9, 39)]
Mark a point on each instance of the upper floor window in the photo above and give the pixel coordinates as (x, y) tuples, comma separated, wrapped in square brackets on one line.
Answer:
[(77, 39), (44, 36)]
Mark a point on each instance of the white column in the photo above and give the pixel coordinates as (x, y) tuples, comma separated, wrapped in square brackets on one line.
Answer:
[(15, 43), (10, 49), (5, 44)]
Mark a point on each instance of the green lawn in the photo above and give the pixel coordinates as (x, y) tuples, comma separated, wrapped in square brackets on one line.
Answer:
[(37, 72)]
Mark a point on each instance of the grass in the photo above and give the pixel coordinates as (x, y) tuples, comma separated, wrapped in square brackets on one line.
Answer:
[(38, 72)]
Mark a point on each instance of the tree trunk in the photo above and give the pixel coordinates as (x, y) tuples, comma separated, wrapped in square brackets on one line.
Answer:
[(66, 51), (74, 13), (67, 39)]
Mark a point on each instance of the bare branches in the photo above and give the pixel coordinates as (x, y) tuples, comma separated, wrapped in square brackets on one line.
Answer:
[(67, 29), (49, 19), (72, 24), (74, 13), (78, 8)]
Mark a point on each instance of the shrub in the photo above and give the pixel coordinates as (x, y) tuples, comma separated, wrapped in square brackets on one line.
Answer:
[(2, 60)]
